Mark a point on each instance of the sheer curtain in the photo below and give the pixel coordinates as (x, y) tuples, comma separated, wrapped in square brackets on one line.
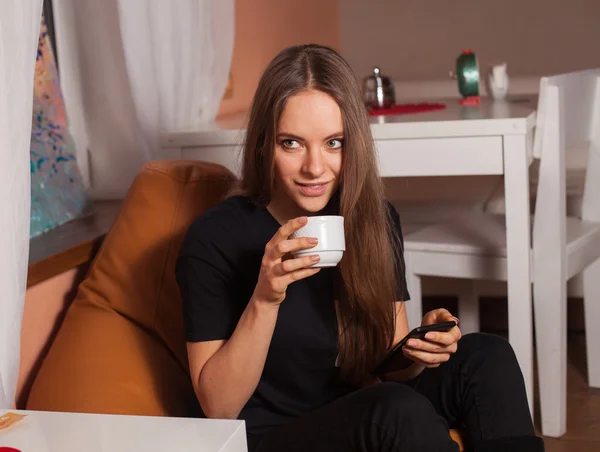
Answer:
[(131, 69), (19, 33)]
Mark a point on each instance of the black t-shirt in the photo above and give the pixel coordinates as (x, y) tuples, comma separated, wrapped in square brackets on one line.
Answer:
[(217, 271)]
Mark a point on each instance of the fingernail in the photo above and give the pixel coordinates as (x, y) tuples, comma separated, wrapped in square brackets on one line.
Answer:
[(313, 241), (302, 220), (412, 343), (430, 336), (315, 258), (455, 319)]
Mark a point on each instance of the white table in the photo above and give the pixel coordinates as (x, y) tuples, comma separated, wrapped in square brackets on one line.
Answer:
[(73, 432), (494, 138)]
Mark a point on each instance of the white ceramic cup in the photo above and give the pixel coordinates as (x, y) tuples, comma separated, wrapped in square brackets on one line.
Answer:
[(329, 230)]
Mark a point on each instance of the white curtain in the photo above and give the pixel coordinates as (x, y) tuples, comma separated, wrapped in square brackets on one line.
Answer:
[(19, 33), (132, 69)]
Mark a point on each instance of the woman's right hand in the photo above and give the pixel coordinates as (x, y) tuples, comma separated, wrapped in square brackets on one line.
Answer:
[(276, 272)]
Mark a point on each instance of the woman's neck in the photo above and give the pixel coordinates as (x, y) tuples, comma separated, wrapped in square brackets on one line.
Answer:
[(283, 211)]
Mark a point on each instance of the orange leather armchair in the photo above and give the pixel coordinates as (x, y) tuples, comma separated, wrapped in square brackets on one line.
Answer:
[(121, 347)]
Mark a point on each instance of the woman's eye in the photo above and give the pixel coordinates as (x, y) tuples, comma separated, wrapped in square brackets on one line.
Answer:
[(334, 144), (290, 144)]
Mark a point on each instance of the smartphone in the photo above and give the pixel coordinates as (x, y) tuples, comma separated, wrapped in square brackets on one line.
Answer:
[(395, 359)]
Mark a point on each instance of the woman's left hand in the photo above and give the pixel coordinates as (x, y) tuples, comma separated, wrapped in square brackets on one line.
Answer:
[(437, 346)]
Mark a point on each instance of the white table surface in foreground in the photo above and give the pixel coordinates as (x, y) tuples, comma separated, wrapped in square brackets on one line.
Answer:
[(44, 431)]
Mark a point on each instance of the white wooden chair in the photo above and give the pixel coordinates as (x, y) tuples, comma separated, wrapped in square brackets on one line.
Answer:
[(474, 246)]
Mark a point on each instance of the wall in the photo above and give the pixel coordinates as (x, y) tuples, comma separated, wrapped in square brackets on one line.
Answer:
[(409, 42), (420, 40), (265, 27)]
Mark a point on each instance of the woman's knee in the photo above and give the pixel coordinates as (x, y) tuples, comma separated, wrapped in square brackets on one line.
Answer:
[(487, 344), (489, 350), (395, 401)]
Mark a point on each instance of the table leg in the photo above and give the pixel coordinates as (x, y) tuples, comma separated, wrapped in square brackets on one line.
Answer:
[(518, 253)]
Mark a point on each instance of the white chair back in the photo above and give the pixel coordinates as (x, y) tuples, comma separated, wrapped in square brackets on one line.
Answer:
[(568, 121), (579, 95)]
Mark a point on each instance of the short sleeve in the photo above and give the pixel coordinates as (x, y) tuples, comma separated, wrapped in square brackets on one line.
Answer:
[(206, 280), (402, 293)]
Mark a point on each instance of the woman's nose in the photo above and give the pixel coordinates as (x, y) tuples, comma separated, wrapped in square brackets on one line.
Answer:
[(314, 164)]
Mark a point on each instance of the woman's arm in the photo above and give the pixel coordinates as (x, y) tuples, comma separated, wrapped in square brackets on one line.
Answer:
[(438, 346), (401, 331), (226, 373), (401, 322)]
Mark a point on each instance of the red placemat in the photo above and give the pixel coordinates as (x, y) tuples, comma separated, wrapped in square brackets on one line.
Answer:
[(406, 109)]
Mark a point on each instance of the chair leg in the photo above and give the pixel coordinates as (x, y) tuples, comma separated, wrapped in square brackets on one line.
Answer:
[(591, 300), (550, 310), (468, 307)]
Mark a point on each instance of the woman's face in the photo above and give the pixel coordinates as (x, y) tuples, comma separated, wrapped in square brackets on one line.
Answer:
[(308, 155)]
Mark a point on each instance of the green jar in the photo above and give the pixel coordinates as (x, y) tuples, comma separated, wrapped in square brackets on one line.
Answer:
[(467, 73)]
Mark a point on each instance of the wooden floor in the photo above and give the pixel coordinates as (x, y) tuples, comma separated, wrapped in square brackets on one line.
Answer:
[(583, 405)]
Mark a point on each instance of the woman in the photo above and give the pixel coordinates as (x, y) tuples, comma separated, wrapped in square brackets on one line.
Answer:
[(289, 348)]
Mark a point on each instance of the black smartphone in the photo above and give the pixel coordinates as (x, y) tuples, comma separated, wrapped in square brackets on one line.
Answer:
[(395, 359)]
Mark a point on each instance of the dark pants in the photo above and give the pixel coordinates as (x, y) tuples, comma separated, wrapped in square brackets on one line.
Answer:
[(480, 388)]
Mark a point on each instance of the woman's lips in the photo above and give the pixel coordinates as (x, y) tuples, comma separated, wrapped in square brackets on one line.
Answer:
[(312, 189)]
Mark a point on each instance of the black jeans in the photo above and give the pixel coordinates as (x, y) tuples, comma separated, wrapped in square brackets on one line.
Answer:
[(480, 388)]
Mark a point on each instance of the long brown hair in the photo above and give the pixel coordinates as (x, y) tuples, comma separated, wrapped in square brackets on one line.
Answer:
[(366, 279)]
